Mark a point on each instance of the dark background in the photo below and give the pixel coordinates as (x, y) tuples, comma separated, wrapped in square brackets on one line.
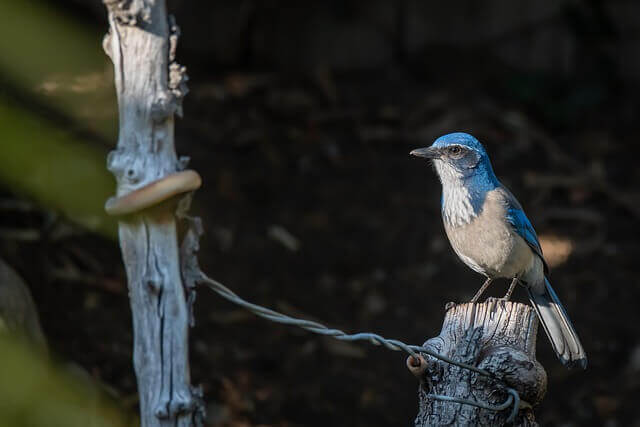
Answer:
[(300, 118)]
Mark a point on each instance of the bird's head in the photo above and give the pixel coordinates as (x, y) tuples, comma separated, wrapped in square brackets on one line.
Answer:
[(458, 157)]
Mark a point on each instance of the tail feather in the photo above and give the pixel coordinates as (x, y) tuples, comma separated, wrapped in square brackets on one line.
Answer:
[(557, 325)]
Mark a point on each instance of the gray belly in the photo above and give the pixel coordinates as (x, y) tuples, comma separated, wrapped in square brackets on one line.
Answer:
[(491, 247)]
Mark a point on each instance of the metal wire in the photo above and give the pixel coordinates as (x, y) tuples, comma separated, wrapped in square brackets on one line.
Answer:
[(375, 339), (513, 398)]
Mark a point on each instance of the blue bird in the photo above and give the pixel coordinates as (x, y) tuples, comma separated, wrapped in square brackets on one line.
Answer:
[(491, 234)]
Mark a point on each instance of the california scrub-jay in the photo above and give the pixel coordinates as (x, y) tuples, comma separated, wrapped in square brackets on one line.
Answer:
[(490, 232)]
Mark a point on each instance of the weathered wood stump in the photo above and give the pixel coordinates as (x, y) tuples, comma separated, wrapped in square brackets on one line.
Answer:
[(496, 336)]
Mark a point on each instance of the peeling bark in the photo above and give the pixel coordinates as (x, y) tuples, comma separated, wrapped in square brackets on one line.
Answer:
[(141, 44), (497, 336)]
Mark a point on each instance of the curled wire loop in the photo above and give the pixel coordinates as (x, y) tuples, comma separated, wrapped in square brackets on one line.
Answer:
[(513, 399)]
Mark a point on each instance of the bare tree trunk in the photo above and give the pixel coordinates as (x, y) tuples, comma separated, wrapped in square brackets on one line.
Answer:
[(498, 337), (141, 44)]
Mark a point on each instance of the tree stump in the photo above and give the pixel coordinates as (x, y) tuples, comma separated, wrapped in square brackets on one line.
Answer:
[(496, 336)]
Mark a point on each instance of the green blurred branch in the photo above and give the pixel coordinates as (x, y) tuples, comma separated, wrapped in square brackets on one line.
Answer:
[(34, 393), (53, 167), (59, 60)]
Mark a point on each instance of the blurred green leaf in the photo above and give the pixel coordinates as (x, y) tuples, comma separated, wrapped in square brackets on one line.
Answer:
[(55, 58), (56, 169), (34, 393)]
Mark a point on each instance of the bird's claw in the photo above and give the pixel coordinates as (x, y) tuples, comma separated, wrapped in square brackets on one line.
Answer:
[(502, 301)]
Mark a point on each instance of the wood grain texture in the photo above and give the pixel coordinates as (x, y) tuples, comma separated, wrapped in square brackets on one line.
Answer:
[(141, 45), (497, 336)]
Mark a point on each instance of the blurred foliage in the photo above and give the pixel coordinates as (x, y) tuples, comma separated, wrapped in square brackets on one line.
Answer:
[(55, 58), (35, 393), (56, 169), (53, 61), (58, 63)]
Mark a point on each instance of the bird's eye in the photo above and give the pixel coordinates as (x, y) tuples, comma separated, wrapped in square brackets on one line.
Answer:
[(455, 150)]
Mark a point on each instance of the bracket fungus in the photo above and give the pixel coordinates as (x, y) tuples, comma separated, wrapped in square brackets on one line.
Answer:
[(154, 193)]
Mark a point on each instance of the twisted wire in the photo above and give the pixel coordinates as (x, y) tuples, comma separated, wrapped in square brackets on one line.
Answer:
[(391, 344)]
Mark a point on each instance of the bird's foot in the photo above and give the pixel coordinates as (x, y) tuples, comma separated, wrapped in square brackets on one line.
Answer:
[(495, 300), (483, 288), (512, 286), (507, 296)]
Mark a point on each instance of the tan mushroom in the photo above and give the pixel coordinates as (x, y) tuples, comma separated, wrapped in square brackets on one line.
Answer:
[(154, 193)]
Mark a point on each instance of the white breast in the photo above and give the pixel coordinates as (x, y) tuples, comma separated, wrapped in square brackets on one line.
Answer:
[(456, 200), (488, 243), (456, 206)]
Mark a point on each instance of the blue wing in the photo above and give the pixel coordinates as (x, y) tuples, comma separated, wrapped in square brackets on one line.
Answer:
[(522, 225)]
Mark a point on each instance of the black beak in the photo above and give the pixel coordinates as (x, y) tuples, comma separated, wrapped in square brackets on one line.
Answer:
[(427, 152)]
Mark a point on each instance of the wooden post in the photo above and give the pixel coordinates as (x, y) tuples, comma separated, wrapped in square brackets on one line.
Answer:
[(496, 336), (141, 44)]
